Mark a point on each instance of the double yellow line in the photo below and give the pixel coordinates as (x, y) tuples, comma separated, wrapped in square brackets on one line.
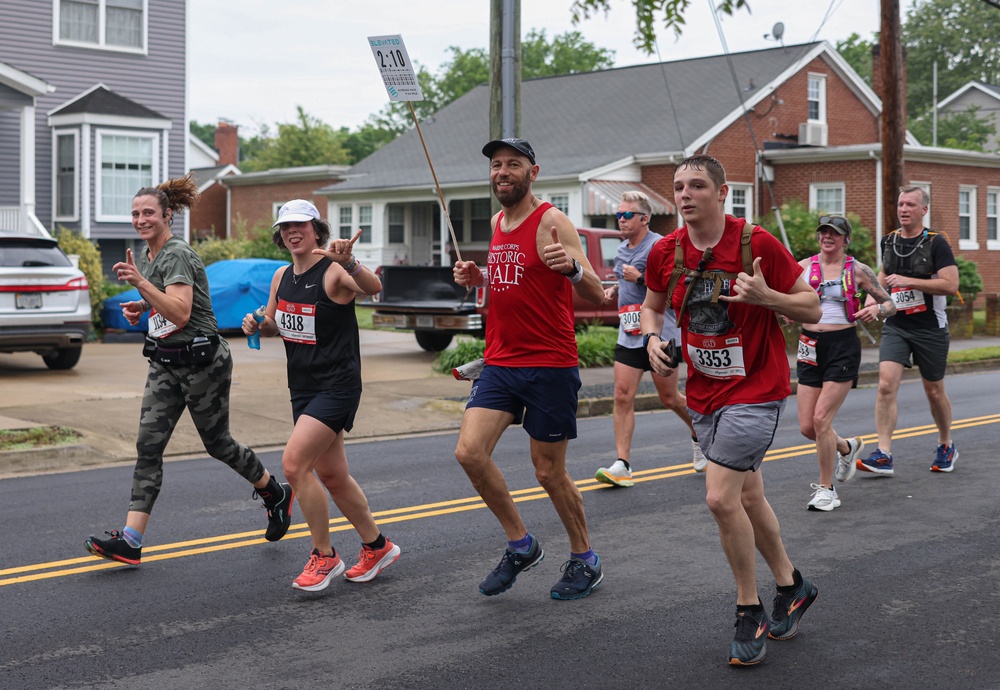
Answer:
[(195, 547)]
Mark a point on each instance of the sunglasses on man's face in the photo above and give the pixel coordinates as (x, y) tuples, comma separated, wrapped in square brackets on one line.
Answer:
[(628, 215)]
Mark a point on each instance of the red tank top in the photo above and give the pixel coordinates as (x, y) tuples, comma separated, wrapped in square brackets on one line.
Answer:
[(530, 320)]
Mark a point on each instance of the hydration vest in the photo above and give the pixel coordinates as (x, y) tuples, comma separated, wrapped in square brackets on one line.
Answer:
[(916, 263), (851, 296), (717, 276)]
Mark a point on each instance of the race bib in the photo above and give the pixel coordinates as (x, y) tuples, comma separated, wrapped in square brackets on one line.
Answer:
[(807, 350), (160, 327), (717, 357), (629, 318), (296, 322), (908, 300)]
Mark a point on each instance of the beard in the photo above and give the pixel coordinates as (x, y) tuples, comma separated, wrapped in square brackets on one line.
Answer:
[(512, 196)]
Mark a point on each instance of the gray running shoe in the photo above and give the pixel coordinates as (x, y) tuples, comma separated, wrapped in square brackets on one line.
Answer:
[(846, 464)]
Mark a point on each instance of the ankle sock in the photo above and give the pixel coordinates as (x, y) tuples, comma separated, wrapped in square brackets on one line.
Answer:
[(590, 558), (521, 545), (132, 537), (796, 583), (753, 608), (272, 493), (377, 544), (625, 462)]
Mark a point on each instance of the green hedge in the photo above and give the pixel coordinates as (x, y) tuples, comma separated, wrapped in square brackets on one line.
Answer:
[(596, 345)]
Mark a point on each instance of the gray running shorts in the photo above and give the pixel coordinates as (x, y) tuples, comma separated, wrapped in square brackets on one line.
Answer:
[(929, 348), (738, 436)]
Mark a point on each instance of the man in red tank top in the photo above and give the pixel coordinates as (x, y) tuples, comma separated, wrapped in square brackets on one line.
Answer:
[(531, 375)]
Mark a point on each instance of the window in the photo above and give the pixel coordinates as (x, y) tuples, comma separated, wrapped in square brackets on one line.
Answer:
[(109, 24), (397, 224), (346, 222), (65, 164), (992, 217), (560, 201), (364, 224), (967, 218), (816, 97), (738, 203), (126, 162), (479, 217), (609, 250), (827, 197)]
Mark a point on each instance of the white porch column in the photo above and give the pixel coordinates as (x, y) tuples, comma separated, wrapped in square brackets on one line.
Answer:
[(86, 203), (27, 168)]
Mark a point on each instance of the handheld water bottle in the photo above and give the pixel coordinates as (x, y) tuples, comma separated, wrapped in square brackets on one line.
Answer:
[(253, 341)]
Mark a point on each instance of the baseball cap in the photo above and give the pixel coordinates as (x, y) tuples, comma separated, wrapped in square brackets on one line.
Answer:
[(296, 210), (838, 224), (520, 145)]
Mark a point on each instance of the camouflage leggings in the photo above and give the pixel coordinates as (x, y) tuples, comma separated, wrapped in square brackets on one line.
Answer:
[(204, 391)]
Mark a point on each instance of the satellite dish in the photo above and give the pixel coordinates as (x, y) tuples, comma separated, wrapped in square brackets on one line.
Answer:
[(778, 31)]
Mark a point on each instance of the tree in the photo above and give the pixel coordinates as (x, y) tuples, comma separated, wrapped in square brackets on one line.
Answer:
[(858, 53), (964, 130), (646, 12), (306, 142), (204, 132), (366, 140)]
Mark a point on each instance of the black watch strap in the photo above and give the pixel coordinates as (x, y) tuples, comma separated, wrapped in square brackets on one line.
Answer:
[(646, 337), (576, 269), (641, 281)]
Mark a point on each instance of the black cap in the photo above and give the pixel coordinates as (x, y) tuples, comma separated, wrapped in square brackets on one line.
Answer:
[(838, 224), (520, 145)]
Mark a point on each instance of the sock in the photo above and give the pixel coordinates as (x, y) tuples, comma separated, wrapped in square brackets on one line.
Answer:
[(590, 558), (521, 545), (796, 583), (625, 462), (132, 537), (377, 544), (272, 493), (753, 608)]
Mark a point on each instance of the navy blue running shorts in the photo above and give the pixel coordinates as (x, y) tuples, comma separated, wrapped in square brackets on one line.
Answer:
[(335, 408), (543, 399)]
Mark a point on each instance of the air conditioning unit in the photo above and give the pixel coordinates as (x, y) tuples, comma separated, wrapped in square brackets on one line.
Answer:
[(812, 134)]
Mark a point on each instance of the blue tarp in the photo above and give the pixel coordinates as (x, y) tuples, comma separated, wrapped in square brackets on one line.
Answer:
[(237, 286)]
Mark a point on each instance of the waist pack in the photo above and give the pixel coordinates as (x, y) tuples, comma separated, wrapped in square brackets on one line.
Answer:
[(199, 352)]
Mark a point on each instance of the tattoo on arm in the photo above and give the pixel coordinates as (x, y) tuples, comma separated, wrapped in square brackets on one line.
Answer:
[(871, 284)]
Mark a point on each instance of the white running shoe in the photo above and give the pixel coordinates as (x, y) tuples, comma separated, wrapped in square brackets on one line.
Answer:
[(616, 475), (846, 464), (823, 498), (700, 462)]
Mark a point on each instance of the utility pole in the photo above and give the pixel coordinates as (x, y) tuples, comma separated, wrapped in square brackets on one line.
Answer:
[(505, 72), (893, 118)]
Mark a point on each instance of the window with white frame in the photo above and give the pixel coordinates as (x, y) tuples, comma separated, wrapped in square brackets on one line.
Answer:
[(397, 224), (479, 220), (126, 162), (992, 217), (816, 97), (66, 173), (738, 203), (364, 224), (967, 218), (109, 24), (346, 223), (827, 197), (560, 201)]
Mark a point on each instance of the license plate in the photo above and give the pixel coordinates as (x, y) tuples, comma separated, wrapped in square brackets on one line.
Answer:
[(389, 320), (28, 300), (425, 322)]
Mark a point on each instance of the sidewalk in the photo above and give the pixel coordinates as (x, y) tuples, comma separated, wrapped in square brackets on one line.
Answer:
[(101, 398)]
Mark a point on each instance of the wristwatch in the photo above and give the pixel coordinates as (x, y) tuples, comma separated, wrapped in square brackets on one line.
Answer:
[(641, 281), (647, 336), (573, 271), (881, 309)]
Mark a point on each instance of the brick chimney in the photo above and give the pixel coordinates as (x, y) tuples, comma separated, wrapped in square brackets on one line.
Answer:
[(227, 143)]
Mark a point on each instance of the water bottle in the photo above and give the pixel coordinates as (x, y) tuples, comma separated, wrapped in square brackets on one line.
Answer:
[(254, 340)]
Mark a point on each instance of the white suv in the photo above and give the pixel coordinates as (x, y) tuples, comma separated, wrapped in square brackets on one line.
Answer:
[(44, 300)]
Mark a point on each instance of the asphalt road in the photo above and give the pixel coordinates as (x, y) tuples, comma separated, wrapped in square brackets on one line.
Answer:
[(907, 571)]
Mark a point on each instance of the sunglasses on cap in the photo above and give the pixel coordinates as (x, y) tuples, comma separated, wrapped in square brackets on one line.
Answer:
[(838, 222), (628, 215)]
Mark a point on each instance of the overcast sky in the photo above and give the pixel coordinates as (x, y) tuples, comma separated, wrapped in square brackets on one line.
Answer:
[(253, 65)]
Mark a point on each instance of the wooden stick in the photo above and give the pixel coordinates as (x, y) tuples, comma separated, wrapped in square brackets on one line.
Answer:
[(444, 208)]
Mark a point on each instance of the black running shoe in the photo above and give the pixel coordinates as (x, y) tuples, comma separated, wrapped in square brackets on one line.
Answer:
[(748, 647), (511, 565), (279, 515), (579, 579), (788, 609), (114, 549)]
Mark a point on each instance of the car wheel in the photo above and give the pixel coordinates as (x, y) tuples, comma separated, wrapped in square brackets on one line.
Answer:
[(433, 341), (66, 358)]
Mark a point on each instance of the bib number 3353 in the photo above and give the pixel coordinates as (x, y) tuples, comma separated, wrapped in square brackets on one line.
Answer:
[(717, 357)]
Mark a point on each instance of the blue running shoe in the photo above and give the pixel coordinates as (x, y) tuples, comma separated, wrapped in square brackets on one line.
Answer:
[(944, 460), (579, 579), (788, 609), (878, 463), (749, 645), (511, 565)]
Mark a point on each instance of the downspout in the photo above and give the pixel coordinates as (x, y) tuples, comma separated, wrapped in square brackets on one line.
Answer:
[(878, 206)]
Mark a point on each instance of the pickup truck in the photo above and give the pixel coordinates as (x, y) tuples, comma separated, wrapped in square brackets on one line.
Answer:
[(426, 299)]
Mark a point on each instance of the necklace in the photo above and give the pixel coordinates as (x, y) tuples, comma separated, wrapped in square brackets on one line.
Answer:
[(509, 227)]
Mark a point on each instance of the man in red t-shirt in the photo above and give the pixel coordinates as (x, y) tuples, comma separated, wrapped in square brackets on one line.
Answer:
[(531, 376), (738, 379)]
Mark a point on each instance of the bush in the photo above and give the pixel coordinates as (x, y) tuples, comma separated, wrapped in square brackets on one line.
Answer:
[(465, 350), (800, 226), (89, 252), (970, 284), (256, 244), (596, 345)]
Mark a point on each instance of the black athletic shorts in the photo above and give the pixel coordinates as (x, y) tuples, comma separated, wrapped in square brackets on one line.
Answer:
[(838, 358), (635, 357)]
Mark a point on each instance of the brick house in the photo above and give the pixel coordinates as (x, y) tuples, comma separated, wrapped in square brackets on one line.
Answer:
[(816, 133), (210, 216)]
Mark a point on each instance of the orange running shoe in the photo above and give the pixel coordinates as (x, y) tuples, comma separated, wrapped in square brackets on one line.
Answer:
[(371, 562), (318, 572)]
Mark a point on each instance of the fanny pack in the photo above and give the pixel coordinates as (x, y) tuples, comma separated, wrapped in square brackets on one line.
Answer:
[(199, 352)]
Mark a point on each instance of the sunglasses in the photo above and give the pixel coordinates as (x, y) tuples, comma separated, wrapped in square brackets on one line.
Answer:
[(836, 221), (628, 215)]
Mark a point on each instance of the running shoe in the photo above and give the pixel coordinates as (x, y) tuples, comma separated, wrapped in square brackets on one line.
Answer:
[(700, 461), (846, 464), (749, 645), (114, 549), (279, 515), (318, 572), (823, 498), (878, 463), (578, 580), (944, 460), (788, 609), (511, 565), (616, 475), (371, 562)]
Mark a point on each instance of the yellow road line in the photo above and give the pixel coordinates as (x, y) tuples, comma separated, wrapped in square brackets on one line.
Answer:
[(194, 547)]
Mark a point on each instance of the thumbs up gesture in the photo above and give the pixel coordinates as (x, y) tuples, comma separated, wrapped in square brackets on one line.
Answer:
[(555, 255)]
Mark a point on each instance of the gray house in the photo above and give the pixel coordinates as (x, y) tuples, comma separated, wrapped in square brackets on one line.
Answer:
[(90, 93), (985, 97)]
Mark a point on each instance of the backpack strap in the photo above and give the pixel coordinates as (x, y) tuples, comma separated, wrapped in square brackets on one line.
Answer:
[(745, 245), (715, 276)]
